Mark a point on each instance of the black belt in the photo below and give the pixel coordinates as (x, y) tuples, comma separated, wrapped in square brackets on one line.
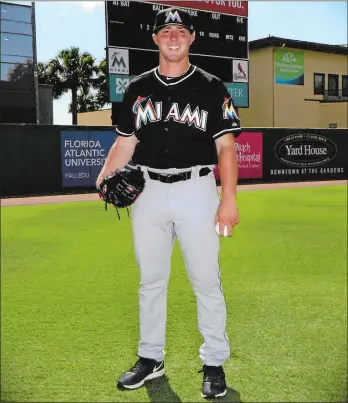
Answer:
[(182, 176)]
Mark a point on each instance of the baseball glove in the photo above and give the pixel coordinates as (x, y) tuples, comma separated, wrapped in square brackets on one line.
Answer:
[(122, 188)]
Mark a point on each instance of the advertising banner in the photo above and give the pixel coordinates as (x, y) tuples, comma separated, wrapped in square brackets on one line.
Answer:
[(249, 155), (289, 67), (301, 155), (118, 61), (117, 86), (248, 147), (83, 155), (240, 71), (239, 93)]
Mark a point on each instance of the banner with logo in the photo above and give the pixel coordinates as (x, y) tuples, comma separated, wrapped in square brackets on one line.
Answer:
[(240, 71), (304, 155), (249, 155), (249, 152), (118, 60), (83, 155), (289, 67), (117, 86)]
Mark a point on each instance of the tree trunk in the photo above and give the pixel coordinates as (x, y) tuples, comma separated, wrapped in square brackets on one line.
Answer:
[(74, 106)]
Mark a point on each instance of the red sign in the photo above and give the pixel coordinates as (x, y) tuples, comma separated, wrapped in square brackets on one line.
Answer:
[(249, 156), (217, 6)]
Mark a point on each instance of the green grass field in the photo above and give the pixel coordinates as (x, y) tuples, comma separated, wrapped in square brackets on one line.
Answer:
[(69, 311)]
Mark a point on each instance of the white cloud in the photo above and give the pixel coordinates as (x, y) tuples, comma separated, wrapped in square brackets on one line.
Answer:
[(61, 15), (90, 6)]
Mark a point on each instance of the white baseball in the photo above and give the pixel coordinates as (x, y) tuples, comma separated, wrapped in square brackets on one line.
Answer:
[(217, 230)]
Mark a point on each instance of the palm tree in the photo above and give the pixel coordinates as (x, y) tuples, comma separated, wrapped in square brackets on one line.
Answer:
[(45, 77), (71, 71), (86, 102), (102, 84)]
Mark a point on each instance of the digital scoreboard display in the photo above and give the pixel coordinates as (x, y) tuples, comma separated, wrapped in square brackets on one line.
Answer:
[(220, 34), (220, 46)]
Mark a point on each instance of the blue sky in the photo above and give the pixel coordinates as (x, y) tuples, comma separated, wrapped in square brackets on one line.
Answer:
[(62, 24)]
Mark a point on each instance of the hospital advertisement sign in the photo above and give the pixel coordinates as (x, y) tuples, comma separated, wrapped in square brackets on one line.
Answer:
[(248, 146)]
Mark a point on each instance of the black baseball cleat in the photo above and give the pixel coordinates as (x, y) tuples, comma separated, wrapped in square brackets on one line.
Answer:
[(214, 384), (143, 370)]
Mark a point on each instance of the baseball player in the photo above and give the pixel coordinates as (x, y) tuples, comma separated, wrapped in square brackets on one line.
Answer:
[(177, 122)]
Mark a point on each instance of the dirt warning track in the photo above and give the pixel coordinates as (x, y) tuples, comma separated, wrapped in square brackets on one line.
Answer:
[(23, 201)]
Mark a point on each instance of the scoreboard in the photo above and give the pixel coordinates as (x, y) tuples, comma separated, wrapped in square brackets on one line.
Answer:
[(220, 46), (130, 25)]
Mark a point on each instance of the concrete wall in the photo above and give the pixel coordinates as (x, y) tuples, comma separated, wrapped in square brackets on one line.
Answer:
[(260, 111), (97, 118)]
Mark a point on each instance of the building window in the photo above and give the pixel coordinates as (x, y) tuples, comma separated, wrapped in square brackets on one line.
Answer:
[(16, 27), (16, 45), (15, 12), (344, 86), (16, 59), (319, 83), (20, 75), (333, 85), (10, 71)]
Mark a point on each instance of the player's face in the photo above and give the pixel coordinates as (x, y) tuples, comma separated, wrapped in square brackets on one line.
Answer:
[(174, 42)]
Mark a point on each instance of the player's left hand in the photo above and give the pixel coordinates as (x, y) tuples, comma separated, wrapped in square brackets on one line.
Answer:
[(227, 214)]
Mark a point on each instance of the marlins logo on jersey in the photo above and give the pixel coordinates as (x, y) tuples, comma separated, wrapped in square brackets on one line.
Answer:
[(228, 109), (148, 113)]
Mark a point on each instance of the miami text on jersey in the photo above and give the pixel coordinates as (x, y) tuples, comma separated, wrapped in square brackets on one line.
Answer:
[(228, 109), (151, 113)]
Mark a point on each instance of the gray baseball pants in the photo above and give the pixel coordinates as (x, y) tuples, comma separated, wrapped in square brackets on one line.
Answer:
[(185, 210)]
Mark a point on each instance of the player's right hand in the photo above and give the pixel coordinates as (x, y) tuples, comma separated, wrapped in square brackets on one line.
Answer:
[(227, 214), (98, 182)]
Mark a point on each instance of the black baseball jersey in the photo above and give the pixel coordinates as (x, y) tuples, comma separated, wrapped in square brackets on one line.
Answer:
[(177, 120)]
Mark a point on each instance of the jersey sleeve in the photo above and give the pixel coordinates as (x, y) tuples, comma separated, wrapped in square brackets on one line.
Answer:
[(125, 122), (226, 117)]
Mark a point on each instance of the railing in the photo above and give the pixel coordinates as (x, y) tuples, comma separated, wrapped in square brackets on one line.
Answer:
[(338, 96)]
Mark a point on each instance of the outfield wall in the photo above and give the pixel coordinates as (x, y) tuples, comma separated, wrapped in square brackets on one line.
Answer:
[(41, 160)]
